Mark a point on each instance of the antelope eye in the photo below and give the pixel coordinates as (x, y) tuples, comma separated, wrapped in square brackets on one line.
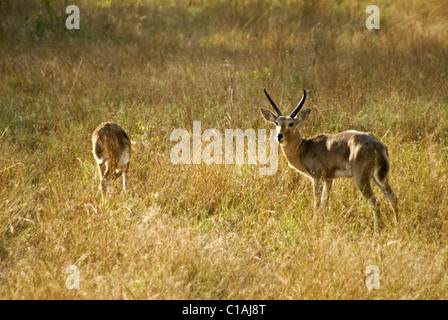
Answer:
[(276, 123), (291, 124)]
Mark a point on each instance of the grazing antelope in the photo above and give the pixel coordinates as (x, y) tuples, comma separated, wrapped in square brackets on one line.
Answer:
[(112, 152), (349, 154)]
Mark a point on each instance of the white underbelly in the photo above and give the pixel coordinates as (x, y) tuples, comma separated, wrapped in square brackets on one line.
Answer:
[(342, 174), (124, 159)]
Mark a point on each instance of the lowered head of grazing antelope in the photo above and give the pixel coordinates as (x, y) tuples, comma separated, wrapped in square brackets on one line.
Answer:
[(349, 154)]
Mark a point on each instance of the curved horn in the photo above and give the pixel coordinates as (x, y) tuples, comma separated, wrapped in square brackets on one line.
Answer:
[(273, 104), (299, 106)]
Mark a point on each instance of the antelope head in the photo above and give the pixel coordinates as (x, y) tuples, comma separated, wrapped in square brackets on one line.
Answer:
[(286, 126)]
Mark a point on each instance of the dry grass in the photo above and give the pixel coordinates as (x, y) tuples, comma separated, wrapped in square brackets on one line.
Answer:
[(220, 231)]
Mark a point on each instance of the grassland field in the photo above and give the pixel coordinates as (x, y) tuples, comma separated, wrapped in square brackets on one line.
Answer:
[(218, 231)]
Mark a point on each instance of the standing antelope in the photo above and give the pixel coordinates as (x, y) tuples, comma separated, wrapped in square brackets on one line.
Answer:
[(112, 152), (349, 154)]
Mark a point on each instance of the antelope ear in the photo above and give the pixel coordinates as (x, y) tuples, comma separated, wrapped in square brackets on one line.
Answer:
[(303, 115), (268, 115)]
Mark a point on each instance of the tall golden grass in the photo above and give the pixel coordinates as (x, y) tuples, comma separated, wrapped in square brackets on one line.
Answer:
[(218, 231)]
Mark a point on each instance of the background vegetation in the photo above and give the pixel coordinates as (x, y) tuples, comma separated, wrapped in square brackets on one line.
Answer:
[(220, 231)]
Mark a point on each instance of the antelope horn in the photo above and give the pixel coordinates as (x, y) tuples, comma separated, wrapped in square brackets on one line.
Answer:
[(273, 104), (299, 106)]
